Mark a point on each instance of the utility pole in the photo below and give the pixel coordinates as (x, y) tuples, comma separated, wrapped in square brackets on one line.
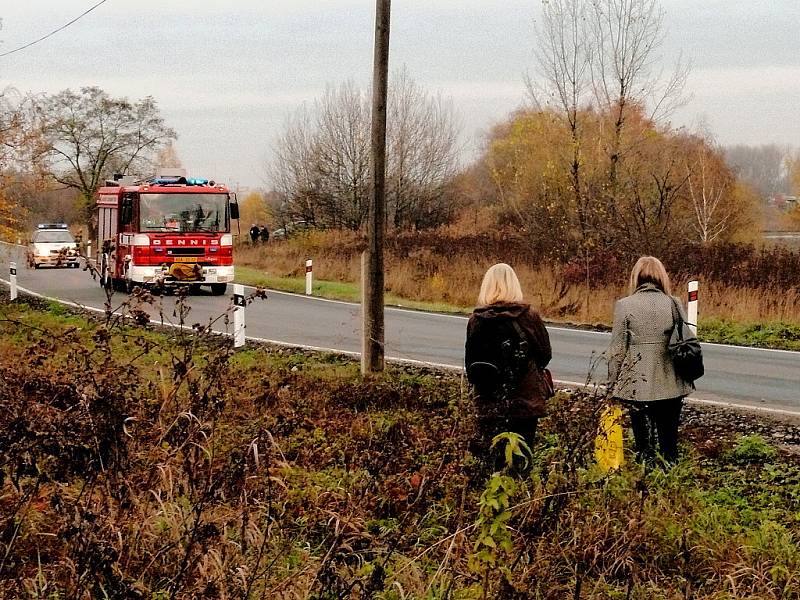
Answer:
[(372, 350)]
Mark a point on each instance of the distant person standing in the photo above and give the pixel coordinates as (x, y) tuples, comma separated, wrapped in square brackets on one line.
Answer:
[(264, 234), (640, 370), (254, 233)]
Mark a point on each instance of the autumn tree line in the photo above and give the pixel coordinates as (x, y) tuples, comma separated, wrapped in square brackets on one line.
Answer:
[(590, 163)]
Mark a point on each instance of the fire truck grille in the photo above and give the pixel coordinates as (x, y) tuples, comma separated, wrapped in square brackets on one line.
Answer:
[(186, 252)]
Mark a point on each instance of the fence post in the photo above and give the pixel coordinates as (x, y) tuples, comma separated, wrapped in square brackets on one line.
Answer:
[(691, 310), (238, 316), (309, 275), (12, 277)]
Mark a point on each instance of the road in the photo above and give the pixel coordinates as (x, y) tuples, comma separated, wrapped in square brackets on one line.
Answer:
[(758, 378)]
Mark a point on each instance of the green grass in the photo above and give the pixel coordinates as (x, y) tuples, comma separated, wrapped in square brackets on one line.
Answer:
[(784, 336), (337, 290)]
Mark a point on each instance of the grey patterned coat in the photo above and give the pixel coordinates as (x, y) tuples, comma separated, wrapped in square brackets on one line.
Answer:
[(639, 367)]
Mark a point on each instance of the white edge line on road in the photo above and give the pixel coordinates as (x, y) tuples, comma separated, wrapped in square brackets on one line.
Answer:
[(464, 318), (549, 327), (409, 361)]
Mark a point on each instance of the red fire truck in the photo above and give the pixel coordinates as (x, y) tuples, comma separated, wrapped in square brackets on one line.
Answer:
[(165, 231)]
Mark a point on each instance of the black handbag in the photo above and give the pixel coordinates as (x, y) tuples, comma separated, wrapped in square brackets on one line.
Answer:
[(686, 354)]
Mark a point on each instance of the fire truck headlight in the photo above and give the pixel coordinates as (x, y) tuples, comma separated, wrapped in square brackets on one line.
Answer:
[(226, 240)]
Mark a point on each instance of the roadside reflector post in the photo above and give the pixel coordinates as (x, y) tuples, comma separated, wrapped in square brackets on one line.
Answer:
[(691, 310), (238, 315), (88, 249), (12, 278), (309, 275)]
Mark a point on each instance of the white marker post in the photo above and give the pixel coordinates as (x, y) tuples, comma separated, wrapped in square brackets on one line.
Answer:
[(12, 278), (89, 249), (309, 275), (238, 316), (691, 310)]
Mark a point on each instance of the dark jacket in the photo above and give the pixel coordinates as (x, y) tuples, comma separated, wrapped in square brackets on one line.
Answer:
[(529, 400)]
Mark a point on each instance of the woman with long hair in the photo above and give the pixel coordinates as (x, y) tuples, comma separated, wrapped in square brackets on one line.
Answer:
[(640, 370), (507, 339)]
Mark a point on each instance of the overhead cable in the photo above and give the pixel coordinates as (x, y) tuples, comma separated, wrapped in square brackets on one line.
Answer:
[(41, 39)]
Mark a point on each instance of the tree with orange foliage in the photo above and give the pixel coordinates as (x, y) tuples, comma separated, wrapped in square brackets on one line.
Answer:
[(253, 209), (11, 142)]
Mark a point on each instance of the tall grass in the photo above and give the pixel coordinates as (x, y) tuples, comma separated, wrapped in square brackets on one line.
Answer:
[(739, 284)]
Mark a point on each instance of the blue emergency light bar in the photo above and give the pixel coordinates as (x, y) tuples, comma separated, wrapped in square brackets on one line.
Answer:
[(177, 181), (167, 180)]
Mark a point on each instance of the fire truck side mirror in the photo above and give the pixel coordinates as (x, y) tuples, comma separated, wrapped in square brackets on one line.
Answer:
[(126, 211), (234, 210)]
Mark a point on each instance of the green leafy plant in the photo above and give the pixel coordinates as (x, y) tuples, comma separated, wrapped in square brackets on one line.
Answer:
[(752, 449)]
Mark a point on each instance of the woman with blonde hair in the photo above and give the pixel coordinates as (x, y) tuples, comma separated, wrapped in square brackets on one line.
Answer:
[(640, 370), (507, 349)]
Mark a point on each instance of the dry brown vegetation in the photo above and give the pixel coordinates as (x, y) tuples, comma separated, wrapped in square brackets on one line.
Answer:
[(443, 266), (137, 464)]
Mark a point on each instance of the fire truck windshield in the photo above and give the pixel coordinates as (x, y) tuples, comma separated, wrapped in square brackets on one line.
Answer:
[(183, 212)]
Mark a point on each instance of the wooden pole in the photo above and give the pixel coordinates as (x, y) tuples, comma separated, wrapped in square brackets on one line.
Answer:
[(372, 357)]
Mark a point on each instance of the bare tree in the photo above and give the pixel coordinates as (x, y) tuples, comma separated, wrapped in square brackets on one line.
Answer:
[(342, 155), (293, 171), (321, 160), (711, 187), (90, 135), (422, 155), (627, 35), (564, 56)]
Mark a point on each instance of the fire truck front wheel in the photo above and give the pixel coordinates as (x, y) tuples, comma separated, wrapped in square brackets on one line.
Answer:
[(218, 289)]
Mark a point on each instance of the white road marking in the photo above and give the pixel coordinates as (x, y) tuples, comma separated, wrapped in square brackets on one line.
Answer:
[(399, 360), (464, 318), (549, 327)]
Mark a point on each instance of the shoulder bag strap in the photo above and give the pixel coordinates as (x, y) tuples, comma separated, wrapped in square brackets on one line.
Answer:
[(522, 336), (627, 335), (677, 320)]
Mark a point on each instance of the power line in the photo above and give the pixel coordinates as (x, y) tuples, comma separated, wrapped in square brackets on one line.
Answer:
[(41, 39)]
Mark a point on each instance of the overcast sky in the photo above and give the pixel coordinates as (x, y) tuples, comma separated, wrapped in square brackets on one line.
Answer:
[(226, 74)]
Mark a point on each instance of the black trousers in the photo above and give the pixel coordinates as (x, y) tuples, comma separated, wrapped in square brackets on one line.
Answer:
[(655, 428)]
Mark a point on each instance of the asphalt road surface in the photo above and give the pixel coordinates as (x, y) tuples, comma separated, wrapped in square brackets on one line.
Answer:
[(758, 378)]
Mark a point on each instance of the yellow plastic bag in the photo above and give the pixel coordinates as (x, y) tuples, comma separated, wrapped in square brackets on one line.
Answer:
[(608, 445)]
